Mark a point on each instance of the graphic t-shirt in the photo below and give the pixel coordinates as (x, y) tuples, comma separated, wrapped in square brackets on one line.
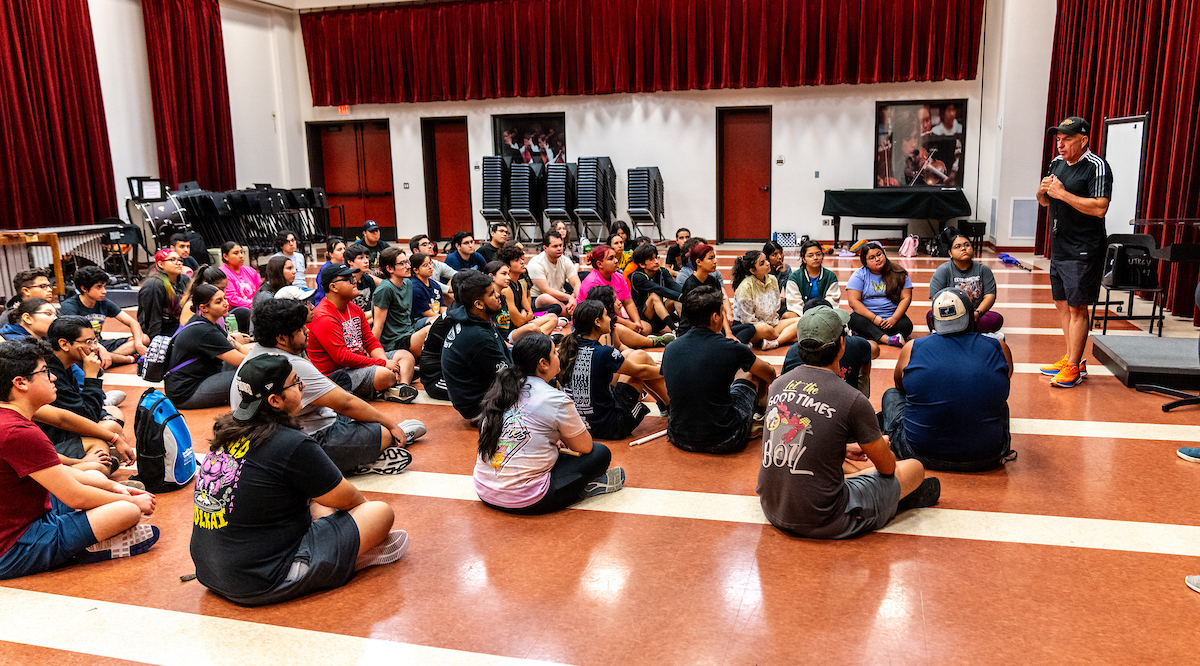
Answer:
[(874, 291), (1074, 235), (341, 338), (519, 473), (426, 297), (24, 449), (590, 385), (976, 282), (251, 510), (811, 415), (203, 341), (95, 314), (366, 287)]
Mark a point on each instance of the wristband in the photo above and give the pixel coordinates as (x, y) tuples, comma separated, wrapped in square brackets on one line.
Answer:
[(113, 441)]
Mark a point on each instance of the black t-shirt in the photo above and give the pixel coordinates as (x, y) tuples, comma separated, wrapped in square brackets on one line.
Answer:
[(251, 510), (674, 257), (857, 354), (95, 314), (373, 252), (691, 283), (203, 341), (431, 357), (699, 369), (1077, 236), (488, 251), (366, 287), (590, 386)]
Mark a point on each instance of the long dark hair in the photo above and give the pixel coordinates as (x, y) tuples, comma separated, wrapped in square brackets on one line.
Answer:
[(228, 430), (606, 295), (275, 278), (892, 275), (506, 389), (204, 275), (743, 266), (29, 306), (583, 322)]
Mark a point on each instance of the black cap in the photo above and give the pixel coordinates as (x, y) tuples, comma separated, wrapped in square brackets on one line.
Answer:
[(258, 378), (1071, 126), (370, 225), (333, 272)]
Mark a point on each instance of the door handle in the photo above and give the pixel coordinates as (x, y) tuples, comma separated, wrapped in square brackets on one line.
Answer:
[(766, 188)]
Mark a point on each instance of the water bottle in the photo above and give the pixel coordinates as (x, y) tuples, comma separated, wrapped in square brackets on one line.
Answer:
[(586, 244), (231, 324)]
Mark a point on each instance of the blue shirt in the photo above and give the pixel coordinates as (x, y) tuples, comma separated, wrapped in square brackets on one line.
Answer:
[(476, 261), (874, 292), (425, 298), (956, 394)]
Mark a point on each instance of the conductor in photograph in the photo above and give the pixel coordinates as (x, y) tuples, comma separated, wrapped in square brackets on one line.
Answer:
[(1077, 189)]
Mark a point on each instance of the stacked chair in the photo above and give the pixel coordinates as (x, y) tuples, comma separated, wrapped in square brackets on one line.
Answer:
[(253, 217), (561, 194), (495, 188), (597, 197), (646, 199), (527, 199)]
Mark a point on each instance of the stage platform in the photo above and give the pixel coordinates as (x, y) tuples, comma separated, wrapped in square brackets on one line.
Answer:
[(1137, 359)]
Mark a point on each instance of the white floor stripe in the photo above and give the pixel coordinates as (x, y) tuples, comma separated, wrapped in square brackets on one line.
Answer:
[(946, 523), (173, 638), (1165, 432)]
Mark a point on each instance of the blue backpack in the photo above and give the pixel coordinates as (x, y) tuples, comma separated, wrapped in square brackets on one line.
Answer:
[(164, 445)]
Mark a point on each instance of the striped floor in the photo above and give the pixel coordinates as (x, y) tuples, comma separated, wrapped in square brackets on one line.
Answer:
[(1075, 553)]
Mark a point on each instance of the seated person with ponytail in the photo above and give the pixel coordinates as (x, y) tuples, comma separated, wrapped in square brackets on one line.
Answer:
[(280, 273), (29, 319), (879, 294), (813, 280), (756, 301), (510, 320), (606, 384), (655, 293), (274, 519), (517, 297), (158, 299), (519, 469), (474, 350), (203, 356)]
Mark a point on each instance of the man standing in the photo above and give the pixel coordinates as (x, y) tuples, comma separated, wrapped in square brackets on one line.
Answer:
[(464, 254), (1077, 191), (814, 423), (551, 272), (499, 233), (370, 238)]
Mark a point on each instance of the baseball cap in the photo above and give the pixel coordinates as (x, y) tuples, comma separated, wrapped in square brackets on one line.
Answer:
[(951, 311), (258, 378), (1071, 126), (822, 324), (295, 293), (333, 272), (370, 225)]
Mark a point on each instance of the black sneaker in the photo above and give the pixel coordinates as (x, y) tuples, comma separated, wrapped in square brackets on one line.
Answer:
[(927, 494)]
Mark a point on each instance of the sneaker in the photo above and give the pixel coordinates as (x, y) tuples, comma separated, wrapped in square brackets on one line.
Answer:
[(608, 482), (563, 322), (114, 398), (403, 393), (136, 485), (1193, 582), (392, 548), (769, 344), (662, 340), (927, 494), (895, 340), (392, 460), (1053, 368), (1189, 453), (995, 335), (133, 541), (413, 428), (1067, 377)]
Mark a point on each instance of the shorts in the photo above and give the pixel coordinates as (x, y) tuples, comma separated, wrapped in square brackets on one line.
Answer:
[(403, 343), (325, 560), (114, 344), (872, 504), (71, 447), (359, 381), (628, 415), (349, 443), (744, 397), (1076, 282), (50, 542)]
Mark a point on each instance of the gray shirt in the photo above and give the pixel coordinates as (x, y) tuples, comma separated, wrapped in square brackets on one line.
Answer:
[(976, 282), (811, 415), (312, 417)]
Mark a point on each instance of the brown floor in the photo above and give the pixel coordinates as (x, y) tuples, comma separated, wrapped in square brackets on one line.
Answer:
[(588, 587)]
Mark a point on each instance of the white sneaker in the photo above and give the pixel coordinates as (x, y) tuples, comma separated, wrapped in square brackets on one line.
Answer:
[(997, 335), (114, 398), (392, 460), (769, 344), (413, 428)]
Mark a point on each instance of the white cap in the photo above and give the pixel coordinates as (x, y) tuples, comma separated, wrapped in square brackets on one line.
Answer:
[(295, 293)]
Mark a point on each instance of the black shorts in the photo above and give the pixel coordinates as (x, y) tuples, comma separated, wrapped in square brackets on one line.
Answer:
[(112, 345), (1076, 282), (629, 414)]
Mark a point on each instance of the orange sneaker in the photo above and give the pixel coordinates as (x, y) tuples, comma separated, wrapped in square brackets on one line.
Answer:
[(1067, 377), (1055, 367)]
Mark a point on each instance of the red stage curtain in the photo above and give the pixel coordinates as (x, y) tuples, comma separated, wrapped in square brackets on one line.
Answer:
[(190, 92), (1115, 58), (532, 48), (57, 168)]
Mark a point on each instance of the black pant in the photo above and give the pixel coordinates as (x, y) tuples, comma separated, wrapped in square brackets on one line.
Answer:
[(568, 480), (743, 332), (867, 328), (242, 315)]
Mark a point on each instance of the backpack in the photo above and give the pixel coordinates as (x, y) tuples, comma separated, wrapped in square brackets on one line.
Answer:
[(945, 240), (164, 445), (152, 366), (909, 247)]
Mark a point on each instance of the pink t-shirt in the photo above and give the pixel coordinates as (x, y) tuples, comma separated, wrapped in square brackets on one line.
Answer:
[(242, 285), (617, 281)]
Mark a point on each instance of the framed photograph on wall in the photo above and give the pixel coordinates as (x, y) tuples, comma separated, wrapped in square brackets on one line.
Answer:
[(527, 137), (920, 143)]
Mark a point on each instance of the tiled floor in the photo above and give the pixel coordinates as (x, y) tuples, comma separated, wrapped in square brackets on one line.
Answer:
[(1074, 553)]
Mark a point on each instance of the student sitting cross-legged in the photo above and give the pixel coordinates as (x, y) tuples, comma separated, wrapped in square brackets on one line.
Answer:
[(757, 300), (357, 437), (715, 382), (203, 356), (91, 302), (392, 301), (606, 384), (474, 351), (511, 320), (655, 293), (343, 347), (55, 515), (274, 518), (815, 422), (523, 419)]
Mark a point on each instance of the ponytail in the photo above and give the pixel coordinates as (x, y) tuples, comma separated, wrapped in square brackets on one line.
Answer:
[(583, 322), (743, 266), (506, 389)]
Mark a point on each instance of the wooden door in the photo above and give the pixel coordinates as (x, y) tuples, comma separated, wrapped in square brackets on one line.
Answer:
[(447, 176), (353, 162), (744, 174)]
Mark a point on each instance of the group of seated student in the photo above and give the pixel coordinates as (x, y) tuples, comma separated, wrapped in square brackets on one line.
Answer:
[(605, 273), (279, 273), (758, 300), (335, 253), (242, 283), (91, 303), (160, 295), (498, 236), (555, 280), (516, 317), (703, 273), (441, 272), (55, 514)]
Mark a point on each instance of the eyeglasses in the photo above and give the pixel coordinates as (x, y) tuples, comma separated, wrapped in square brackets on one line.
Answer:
[(176, 260), (299, 382), (40, 285), (48, 312), (960, 246), (91, 342), (404, 263), (46, 370)]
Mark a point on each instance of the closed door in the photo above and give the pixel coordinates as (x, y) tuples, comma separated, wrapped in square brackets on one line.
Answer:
[(447, 176), (744, 174), (353, 162)]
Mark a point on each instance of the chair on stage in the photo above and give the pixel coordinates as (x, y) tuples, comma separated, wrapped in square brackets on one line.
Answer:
[(1130, 266)]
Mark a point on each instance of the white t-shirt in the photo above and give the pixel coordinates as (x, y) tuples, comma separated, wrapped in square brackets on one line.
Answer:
[(555, 274), (312, 417), (518, 475)]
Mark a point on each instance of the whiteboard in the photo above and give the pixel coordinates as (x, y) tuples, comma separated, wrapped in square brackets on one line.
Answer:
[(1124, 150)]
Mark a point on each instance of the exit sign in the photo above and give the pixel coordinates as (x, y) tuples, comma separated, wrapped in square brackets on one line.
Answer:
[(344, 110)]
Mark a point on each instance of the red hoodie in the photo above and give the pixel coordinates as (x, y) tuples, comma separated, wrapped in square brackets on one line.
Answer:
[(341, 338)]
